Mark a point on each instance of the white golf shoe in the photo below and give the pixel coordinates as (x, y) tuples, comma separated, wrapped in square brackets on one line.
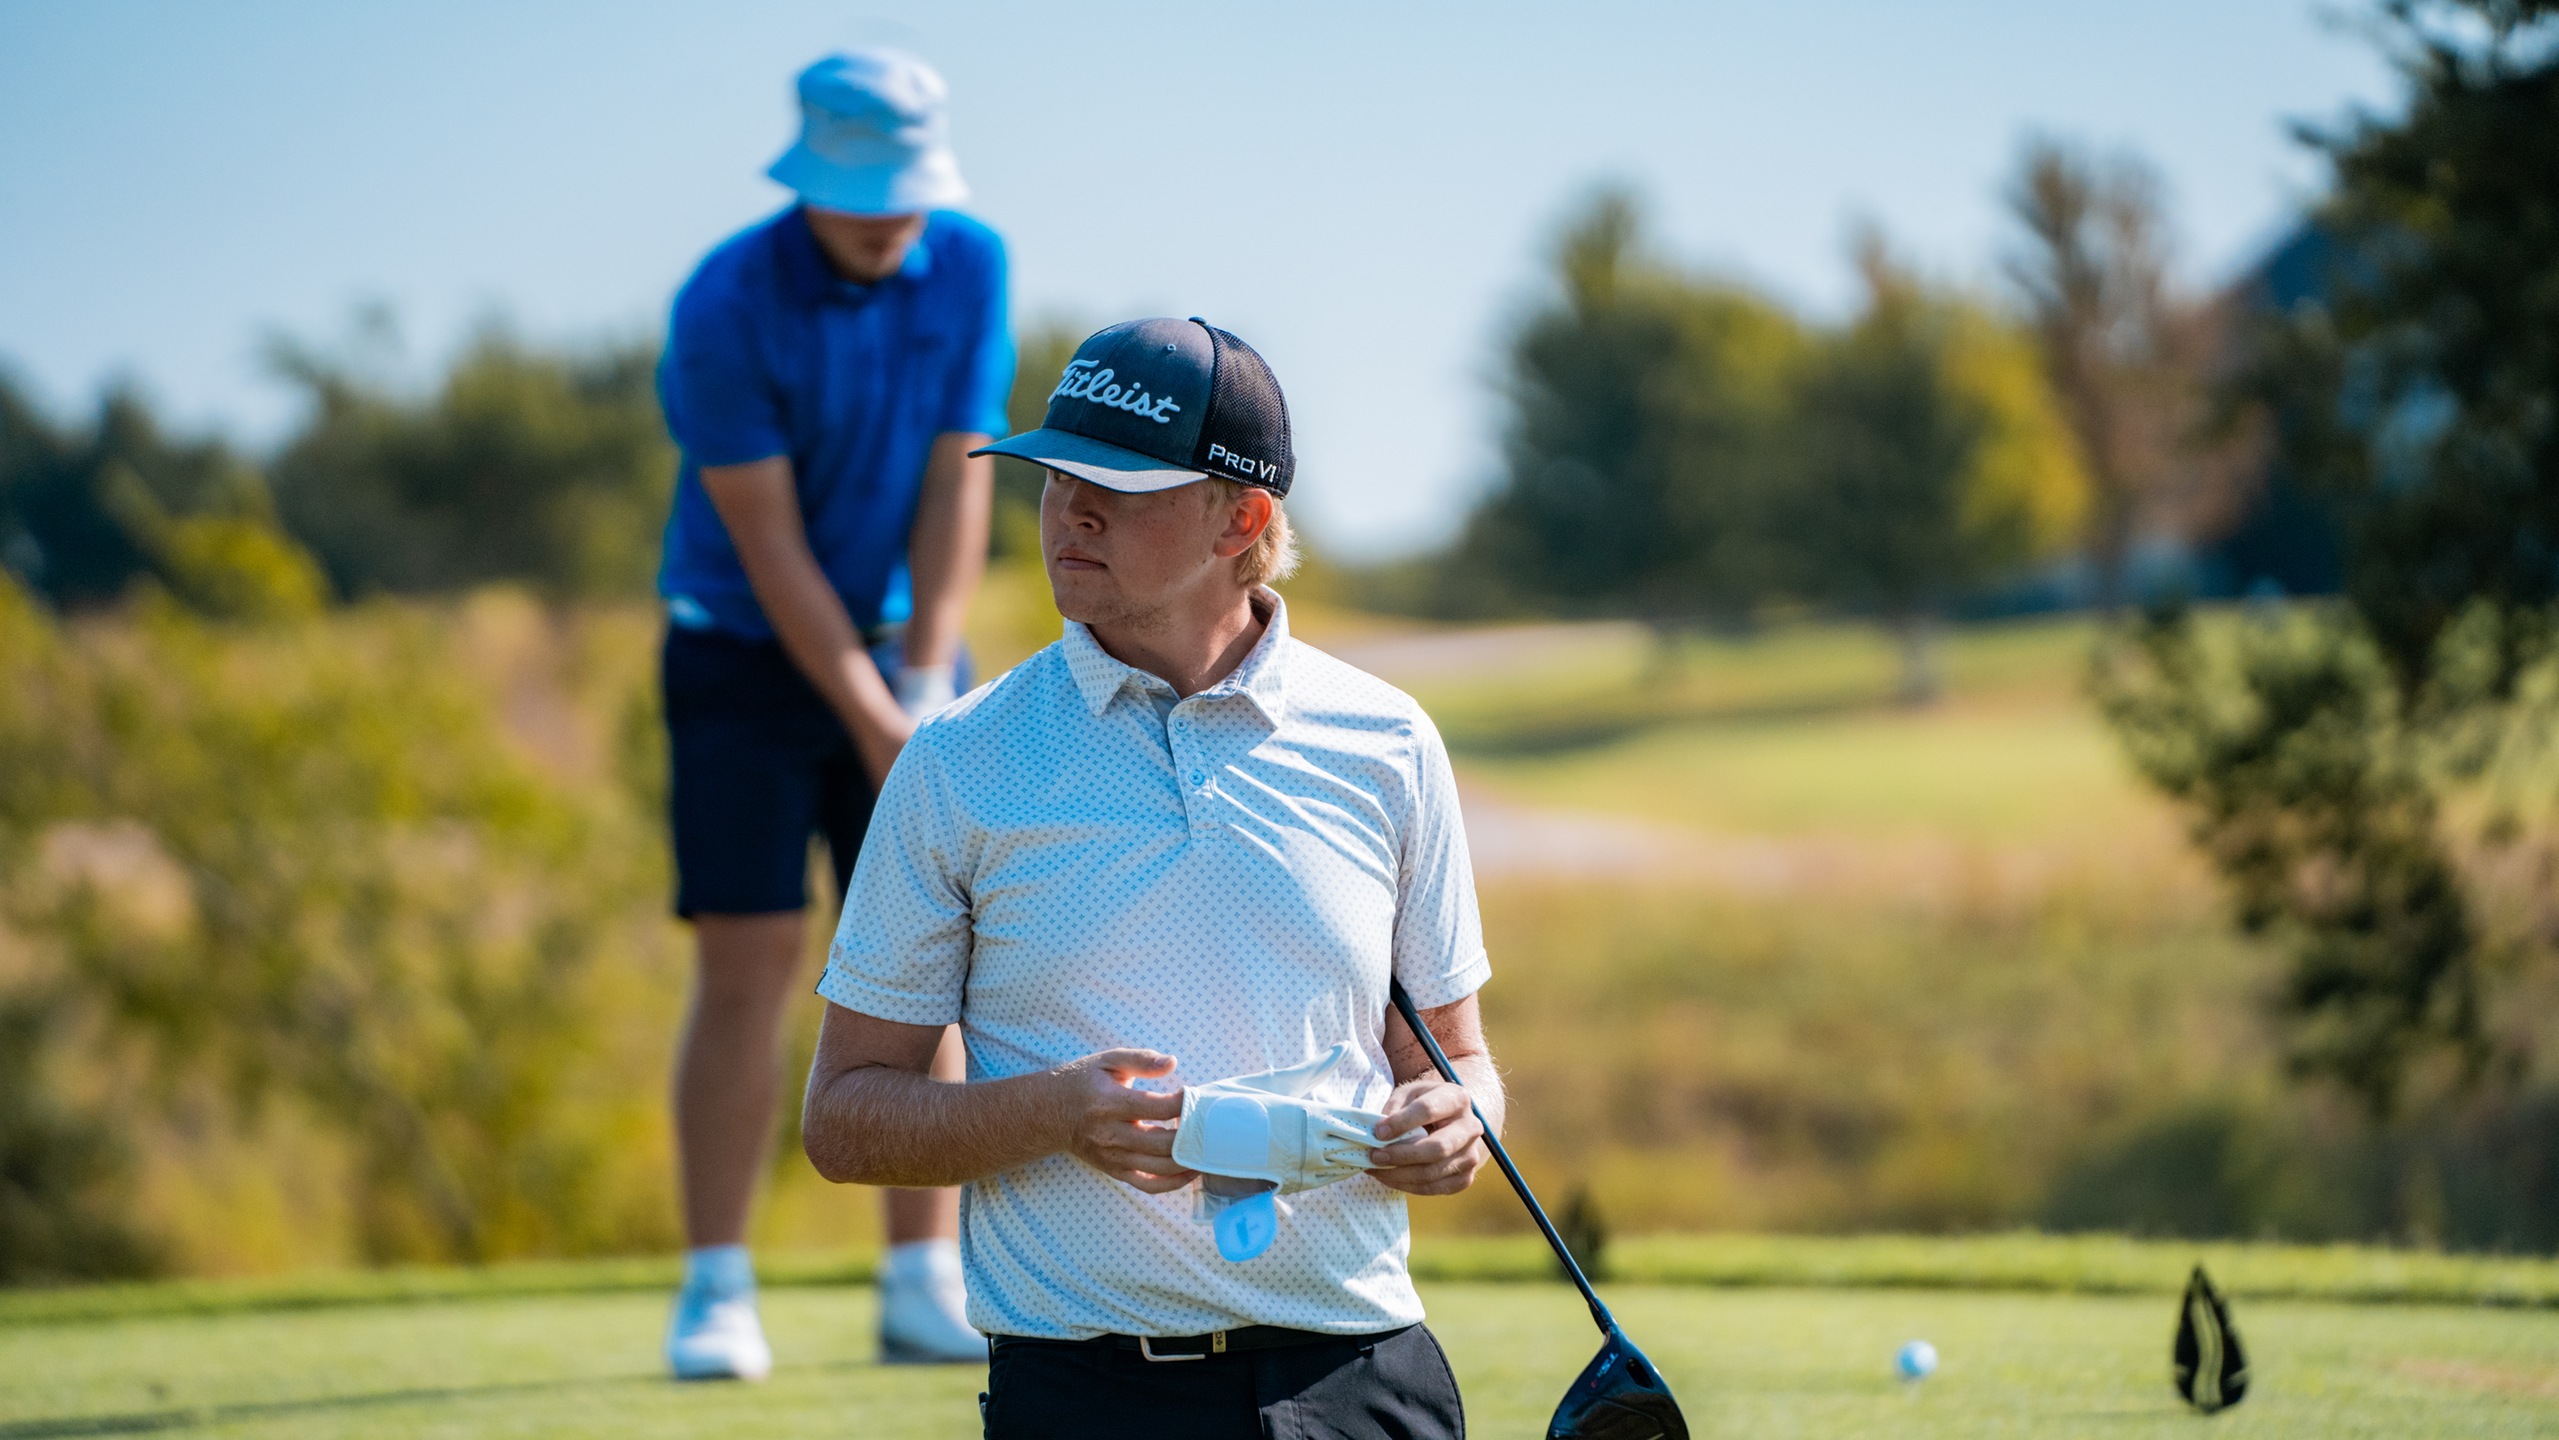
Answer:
[(924, 1308), (715, 1335)]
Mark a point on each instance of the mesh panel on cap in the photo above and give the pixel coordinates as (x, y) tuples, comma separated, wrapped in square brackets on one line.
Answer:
[(1247, 416)]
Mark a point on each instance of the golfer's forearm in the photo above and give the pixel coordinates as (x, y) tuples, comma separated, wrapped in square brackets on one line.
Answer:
[(822, 642), (1459, 1030), (946, 549), (1483, 1082), (761, 511), (881, 1126)]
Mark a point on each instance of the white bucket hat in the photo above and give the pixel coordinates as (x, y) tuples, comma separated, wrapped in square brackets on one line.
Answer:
[(873, 137)]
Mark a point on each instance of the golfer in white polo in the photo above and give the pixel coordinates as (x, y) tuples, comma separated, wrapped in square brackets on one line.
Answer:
[(1160, 875)]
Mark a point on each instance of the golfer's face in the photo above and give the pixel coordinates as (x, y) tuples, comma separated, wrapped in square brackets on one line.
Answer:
[(1113, 557), (864, 248)]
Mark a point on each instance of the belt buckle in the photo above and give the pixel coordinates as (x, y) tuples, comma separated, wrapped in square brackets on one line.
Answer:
[(1216, 1343)]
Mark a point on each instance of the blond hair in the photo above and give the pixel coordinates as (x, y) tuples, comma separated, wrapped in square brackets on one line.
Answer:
[(1274, 556)]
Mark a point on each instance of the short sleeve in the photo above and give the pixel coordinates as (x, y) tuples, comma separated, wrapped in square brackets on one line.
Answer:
[(722, 404), (982, 383), (902, 949), (1439, 934)]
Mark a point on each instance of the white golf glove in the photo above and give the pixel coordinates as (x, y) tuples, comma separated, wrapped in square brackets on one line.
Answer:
[(1262, 1127), (923, 689)]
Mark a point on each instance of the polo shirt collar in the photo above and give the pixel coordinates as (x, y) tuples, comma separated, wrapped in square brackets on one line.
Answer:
[(1261, 679), (811, 281)]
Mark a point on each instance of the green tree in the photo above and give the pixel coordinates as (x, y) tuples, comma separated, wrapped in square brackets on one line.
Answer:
[(2124, 353), (552, 468), (87, 513), (63, 1173), (377, 909), (2420, 397), (2371, 776), (64, 1168), (1932, 460), (2317, 801), (1647, 411)]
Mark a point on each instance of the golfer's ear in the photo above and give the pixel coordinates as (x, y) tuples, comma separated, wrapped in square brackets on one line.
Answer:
[(1247, 516)]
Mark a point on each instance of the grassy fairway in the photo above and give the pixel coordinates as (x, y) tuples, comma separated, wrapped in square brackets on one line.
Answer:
[(1790, 733), (1757, 1363)]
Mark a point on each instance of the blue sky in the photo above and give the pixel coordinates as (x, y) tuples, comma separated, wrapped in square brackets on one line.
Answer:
[(1364, 191)]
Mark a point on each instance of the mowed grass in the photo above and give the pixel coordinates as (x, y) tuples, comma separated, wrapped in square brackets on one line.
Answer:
[(1801, 957), (1791, 732), (2015, 1260), (1757, 1362), (1794, 730)]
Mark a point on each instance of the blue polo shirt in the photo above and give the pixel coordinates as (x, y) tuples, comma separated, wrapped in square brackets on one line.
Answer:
[(771, 354)]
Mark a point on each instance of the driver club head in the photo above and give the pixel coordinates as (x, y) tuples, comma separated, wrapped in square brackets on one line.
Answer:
[(1618, 1396)]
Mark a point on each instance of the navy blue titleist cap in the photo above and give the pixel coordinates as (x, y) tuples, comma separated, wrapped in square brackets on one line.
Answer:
[(1151, 404)]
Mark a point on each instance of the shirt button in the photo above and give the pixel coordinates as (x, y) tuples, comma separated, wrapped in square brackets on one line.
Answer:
[(1198, 779)]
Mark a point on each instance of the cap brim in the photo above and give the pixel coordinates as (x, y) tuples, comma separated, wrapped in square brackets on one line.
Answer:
[(1085, 458)]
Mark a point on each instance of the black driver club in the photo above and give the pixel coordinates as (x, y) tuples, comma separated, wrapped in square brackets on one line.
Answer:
[(1618, 1395)]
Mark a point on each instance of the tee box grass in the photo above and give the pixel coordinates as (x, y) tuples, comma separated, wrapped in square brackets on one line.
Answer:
[(1758, 1362)]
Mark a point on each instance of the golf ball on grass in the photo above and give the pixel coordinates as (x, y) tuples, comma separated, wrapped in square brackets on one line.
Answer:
[(1915, 1361)]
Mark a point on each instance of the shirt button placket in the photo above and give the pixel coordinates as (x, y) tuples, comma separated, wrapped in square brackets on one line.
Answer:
[(1194, 773)]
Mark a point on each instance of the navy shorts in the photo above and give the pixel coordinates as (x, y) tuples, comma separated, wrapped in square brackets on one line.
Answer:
[(761, 766)]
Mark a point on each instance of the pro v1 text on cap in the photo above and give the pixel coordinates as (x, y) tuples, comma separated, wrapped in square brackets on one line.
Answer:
[(1151, 404)]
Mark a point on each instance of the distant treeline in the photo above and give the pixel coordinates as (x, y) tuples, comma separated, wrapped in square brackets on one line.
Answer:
[(548, 467), (1683, 449), (1677, 447), (542, 466)]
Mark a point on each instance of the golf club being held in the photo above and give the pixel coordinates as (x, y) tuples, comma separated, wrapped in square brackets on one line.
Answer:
[(1619, 1395)]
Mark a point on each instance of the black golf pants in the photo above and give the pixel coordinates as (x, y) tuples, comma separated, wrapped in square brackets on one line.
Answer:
[(1393, 1386)]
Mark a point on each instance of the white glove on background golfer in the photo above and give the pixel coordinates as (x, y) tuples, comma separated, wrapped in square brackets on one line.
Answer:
[(923, 689), (1262, 1127)]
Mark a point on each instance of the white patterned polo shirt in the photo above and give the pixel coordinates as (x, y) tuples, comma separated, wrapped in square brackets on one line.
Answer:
[(1068, 860)]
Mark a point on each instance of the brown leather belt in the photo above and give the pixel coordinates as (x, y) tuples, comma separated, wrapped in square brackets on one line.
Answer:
[(1167, 1348)]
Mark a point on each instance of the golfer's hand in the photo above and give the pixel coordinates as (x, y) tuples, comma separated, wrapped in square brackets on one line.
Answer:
[(879, 731), (1444, 1158), (1124, 1132)]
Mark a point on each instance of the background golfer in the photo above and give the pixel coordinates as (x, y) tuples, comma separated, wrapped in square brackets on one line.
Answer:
[(826, 376), (1176, 846)]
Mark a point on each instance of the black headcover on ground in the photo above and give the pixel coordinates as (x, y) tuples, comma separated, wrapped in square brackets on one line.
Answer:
[(2212, 1371), (1618, 1396)]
